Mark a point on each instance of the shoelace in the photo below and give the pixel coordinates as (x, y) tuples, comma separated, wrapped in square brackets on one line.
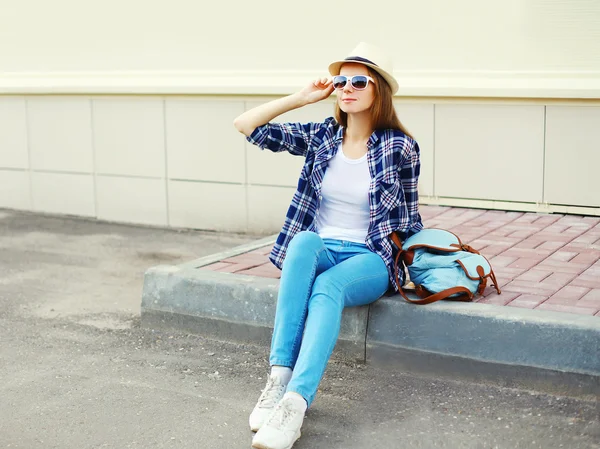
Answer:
[(271, 394), (282, 414)]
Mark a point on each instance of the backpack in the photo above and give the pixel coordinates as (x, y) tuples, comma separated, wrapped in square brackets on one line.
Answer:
[(442, 267)]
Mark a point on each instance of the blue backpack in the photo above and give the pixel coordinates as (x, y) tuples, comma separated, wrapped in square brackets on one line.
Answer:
[(442, 267)]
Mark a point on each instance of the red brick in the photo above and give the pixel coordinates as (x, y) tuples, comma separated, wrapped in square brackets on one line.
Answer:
[(553, 236), (527, 301), (235, 267), (568, 295), (568, 309), (558, 279), (547, 287), (522, 234), (490, 239), (589, 281), (524, 263), (264, 251), (431, 211), (562, 267), (499, 300), (267, 270), (215, 266), (247, 258), (556, 228), (589, 237), (589, 257), (526, 219), (546, 220), (591, 299), (468, 237), (562, 256), (528, 253), (491, 250), (531, 242), (490, 290), (530, 288), (580, 248), (501, 261), (504, 275), (534, 275), (550, 246)]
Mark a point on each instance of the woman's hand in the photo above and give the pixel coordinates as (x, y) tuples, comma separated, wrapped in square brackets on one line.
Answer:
[(317, 90)]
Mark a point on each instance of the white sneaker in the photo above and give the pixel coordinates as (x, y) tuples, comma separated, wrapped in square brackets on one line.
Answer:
[(282, 428), (267, 401)]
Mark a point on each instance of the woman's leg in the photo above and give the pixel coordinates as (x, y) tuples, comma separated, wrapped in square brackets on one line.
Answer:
[(358, 280), (306, 257)]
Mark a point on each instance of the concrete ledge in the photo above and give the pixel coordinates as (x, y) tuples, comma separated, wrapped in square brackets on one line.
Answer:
[(497, 334), (508, 345), (229, 306)]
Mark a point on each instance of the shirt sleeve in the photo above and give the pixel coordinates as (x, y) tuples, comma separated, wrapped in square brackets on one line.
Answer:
[(410, 169), (292, 137)]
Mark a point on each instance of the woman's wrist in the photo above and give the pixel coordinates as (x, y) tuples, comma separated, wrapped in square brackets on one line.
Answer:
[(298, 100)]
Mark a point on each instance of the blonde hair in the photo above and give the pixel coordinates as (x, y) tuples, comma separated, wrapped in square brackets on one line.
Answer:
[(383, 113)]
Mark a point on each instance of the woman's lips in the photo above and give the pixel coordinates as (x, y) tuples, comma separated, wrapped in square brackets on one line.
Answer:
[(348, 100)]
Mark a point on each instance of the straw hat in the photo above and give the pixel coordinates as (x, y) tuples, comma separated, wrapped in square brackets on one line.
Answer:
[(373, 57)]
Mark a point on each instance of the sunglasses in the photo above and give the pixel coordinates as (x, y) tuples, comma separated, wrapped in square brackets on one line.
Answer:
[(358, 82)]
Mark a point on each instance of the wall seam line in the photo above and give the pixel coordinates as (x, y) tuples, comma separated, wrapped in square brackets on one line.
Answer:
[(29, 161), (94, 162), (544, 158), (166, 149)]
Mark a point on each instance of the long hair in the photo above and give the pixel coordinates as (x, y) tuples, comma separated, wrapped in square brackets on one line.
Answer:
[(383, 113)]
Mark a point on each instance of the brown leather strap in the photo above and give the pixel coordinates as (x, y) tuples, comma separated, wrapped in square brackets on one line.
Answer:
[(396, 240), (495, 282), (466, 295)]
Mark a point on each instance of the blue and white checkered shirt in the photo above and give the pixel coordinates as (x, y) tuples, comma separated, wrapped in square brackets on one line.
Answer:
[(394, 164)]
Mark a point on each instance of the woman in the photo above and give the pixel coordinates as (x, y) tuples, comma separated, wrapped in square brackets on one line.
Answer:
[(358, 184)]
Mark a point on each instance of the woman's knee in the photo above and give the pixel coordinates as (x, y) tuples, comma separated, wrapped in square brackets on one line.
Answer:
[(304, 242)]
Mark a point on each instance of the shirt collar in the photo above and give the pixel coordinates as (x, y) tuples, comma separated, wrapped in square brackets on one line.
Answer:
[(375, 136)]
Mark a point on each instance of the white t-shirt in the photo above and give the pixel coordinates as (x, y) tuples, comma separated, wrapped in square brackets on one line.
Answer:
[(344, 210)]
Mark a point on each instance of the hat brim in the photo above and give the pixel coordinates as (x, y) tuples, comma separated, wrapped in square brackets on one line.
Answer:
[(334, 69)]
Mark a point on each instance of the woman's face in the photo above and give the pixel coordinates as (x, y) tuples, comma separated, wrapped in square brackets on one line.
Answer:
[(353, 101)]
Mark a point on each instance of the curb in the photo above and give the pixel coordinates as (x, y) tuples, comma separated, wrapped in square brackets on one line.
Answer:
[(515, 347)]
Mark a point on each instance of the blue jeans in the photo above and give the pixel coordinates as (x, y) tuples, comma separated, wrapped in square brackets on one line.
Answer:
[(319, 278)]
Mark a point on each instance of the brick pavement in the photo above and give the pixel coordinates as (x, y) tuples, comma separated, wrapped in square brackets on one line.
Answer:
[(541, 261)]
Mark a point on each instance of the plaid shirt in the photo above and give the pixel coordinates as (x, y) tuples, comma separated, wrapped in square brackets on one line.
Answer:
[(394, 166)]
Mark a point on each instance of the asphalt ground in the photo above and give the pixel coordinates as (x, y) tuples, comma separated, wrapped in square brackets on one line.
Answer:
[(78, 371)]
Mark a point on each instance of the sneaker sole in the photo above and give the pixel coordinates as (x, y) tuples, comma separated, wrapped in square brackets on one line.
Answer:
[(262, 446)]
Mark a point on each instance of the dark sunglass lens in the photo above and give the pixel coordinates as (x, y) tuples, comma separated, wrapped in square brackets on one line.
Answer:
[(359, 82), (339, 82)]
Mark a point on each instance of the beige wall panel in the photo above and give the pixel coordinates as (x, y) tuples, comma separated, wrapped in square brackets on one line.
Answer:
[(267, 207), (205, 205), (61, 193), (572, 155), (202, 143), (418, 119), (129, 137), (131, 200), (60, 133), (492, 152), (282, 169), (13, 133), (15, 191), (463, 34)]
